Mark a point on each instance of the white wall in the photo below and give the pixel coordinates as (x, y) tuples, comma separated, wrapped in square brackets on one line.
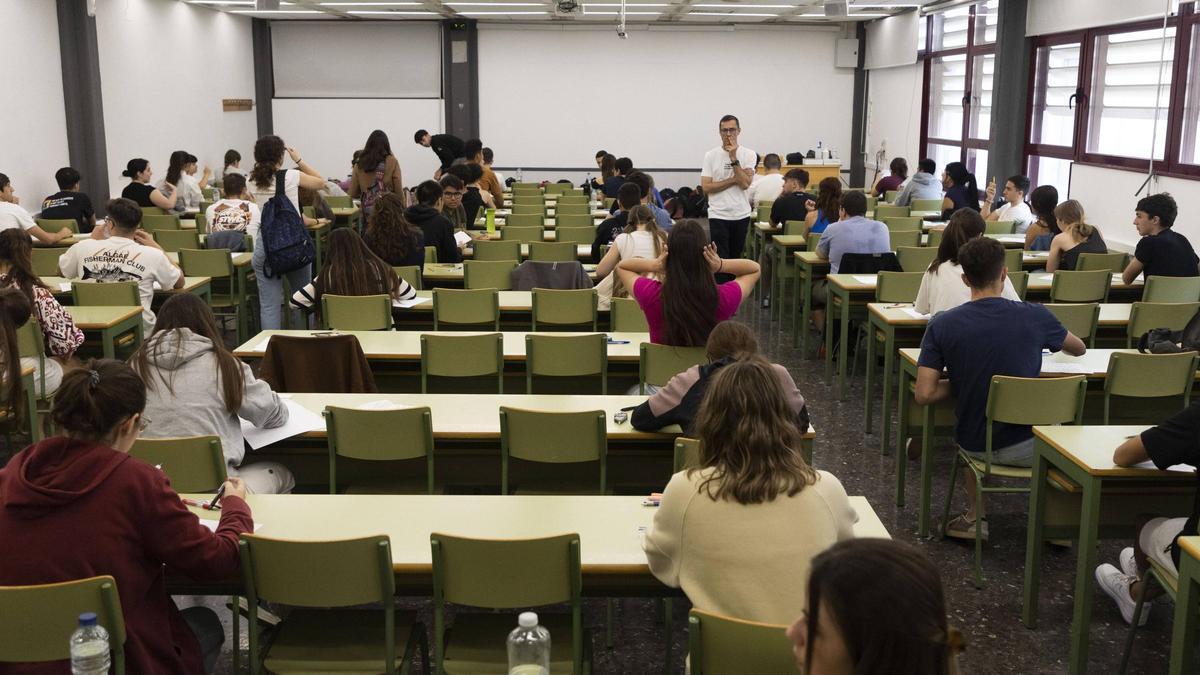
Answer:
[(33, 126), (894, 115), (1108, 199), (1057, 16), (373, 59), (893, 41), (164, 67)]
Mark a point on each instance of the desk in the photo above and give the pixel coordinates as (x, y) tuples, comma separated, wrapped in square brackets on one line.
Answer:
[(201, 286), (1039, 285), (1084, 455), (583, 252), (406, 345), (548, 222), (451, 274), (109, 322), (1184, 636), (844, 289), (778, 250), (809, 268)]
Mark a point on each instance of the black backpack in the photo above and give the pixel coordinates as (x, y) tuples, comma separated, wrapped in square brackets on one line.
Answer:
[(1167, 341), (282, 234)]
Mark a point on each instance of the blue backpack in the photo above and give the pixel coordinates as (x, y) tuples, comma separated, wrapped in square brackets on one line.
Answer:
[(282, 234)]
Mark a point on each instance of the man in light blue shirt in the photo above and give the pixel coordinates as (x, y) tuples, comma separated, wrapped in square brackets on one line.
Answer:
[(852, 233)]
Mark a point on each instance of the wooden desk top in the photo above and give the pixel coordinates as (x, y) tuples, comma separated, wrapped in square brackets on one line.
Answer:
[(406, 345), (510, 301), (609, 527), (1111, 313), (1190, 546), (239, 259), (1091, 448), (582, 252), (810, 258), (91, 317), (1093, 364), (62, 285), (454, 271), (1041, 281), (789, 240), (548, 222)]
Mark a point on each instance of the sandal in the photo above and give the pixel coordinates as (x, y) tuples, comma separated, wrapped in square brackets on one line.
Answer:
[(961, 528)]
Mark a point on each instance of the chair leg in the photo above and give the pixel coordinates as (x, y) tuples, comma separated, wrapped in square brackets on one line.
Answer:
[(1147, 576), (608, 624), (237, 634), (949, 494), (668, 621), (978, 529)]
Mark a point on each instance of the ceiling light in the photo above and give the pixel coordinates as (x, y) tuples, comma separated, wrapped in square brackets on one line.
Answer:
[(740, 6), (617, 4), (385, 12), (587, 12), (499, 13), (727, 14), (277, 11), (222, 2), (371, 4), (496, 4)]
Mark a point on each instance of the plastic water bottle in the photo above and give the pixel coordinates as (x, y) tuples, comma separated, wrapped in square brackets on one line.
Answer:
[(529, 647), (518, 174), (490, 219), (89, 647)]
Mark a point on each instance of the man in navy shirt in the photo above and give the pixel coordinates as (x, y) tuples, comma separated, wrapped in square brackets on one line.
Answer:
[(987, 336), (1161, 251)]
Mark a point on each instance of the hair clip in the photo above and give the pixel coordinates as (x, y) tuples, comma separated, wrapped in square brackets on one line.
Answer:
[(93, 378)]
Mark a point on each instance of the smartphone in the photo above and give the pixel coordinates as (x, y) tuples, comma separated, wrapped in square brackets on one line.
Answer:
[(620, 417)]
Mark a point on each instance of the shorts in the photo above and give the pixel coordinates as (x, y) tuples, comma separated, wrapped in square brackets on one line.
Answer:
[(1017, 454), (819, 292), (1156, 538)]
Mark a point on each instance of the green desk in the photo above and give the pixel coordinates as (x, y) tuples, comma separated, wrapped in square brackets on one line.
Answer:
[(350, 215), (1184, 634), (451, 274), (809, 268), (108, 322), (844, 290), (778, 249)]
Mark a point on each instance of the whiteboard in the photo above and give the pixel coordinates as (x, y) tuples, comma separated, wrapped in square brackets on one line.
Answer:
[(361, 59)]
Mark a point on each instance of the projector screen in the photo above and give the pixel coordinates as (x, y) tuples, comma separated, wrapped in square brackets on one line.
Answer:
[(362, 59)]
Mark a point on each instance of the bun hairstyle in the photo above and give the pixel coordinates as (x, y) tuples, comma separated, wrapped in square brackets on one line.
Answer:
[(94, 399), (1071, 212), (135, 166), (14, 313)]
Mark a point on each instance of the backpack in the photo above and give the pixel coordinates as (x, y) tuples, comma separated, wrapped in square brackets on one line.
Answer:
[(372, 193), (283, 235), (1167, 341)]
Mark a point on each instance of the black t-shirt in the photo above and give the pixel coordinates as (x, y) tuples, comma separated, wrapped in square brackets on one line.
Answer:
[(790, 207), (69, 206), (607, 231), (1177, 441), (447, 147), (472, 202), (139, 192), (1167, 254)]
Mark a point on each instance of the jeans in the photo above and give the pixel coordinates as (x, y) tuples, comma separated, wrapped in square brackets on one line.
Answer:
[(270, 292)]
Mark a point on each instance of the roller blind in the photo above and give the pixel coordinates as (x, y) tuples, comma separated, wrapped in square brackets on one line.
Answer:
[(383, 59)]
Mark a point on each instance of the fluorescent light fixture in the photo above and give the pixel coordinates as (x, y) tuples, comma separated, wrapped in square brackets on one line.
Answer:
[(740, 6), (371, 4), (500, 13), (588, 12), (617, 4), (494, 4), (242, 3), (728, 15), (384, 12), (277, 11)]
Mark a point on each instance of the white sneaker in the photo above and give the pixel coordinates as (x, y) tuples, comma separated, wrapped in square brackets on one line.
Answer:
[(1116, 584), (1128, 563)]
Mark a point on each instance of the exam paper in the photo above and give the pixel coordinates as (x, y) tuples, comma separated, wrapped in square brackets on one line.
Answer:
[(64, 286), (1181, 468), (914, 313), (212, 524), (410, 303), (383, 405), (300, 420), (462, 238), (865, 278), (1060, 367)]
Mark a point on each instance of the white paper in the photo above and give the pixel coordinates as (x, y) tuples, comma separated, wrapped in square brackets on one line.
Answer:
[(914, 313), (410, 303), (1046, 277), (260, 347), (866, 278), (1060, 367), (300, 420), (462, 238), (64, 286), (1182, 468), (383, 405)]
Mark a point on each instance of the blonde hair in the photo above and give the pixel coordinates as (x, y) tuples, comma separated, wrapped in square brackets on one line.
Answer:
[(1071, 212), (643, 215)]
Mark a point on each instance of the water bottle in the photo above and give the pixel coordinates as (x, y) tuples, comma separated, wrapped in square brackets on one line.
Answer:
[(529, 647), (89, 647), (490, 218), (518, 174)]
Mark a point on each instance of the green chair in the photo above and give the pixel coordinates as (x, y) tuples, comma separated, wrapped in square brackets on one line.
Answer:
[(32, 345), (1015, 400), (107, 294), (888, 211), (626, 316), (175, 240), (763, 212), (202, 222), (571, 219), (793, 227), (575, 235), (37, 621), (935, 238), (657, 364), (497, 250), (1020, 282), (45, 261), (495, 274), (380, 436), (573, 196), (813, 239), (999, 227), (872, 200), (568, 357), (461, 356), (1079, 318), (558, 308), (1166, 579), (339, 201), (152, 211), (890, 196), (151, 222), (519, 220), (1080, 286), (431, 254), (1135, 375), (721, 644), (552, 251), (356, 312), (546, 437), (926, 205), (476, 307), (529, 208), (193, 464), (1113, 262), (566, 209), (1144, 316), (915, 258), (1013, 259), (411, 274), (229, 296), (523, 233), (687, 453), (902, 223), (529, 198), (557, 188), (1158, 289), (320, 581), (53, 225), (898, 286), (506, 574), (904, 238)]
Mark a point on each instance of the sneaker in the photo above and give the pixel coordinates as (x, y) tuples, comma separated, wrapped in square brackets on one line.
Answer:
[(961, 528), (1128, 563), (1116, 584)]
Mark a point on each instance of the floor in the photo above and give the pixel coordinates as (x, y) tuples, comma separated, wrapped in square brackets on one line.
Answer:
[(989, 617)]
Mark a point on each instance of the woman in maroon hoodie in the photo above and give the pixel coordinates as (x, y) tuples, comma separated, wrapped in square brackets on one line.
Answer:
[(77, 506)]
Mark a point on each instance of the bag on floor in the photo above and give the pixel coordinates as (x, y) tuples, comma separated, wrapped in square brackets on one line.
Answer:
[(282, 233), (1167, 341)]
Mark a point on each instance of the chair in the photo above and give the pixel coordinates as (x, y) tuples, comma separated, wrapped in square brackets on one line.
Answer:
[(1113, 262), (1079, 318), (356, 312), (935, 238), (898, 286), (506, 574), (1014, 259), (552, 251), (763, 213), (926, 205), (626, 316), (536, 198), (1144, 316), (721, 644), (1168, 581), (657, 364), (380, 436), (572, 197), (45, 261), (1020, 282), (527, 208), (478, 307), (998, 227), (229, 298), (566, 218), (152, 222), (566, 356), (288, 359), (461, 356), (1080, 286), (32, 345), (497, 250), (36, 621), (202, 221), (339, 201), (518, 220), (687, 453), (53, 225), (523, 233), (174, 240), (431, 254), (1015, 400), (813, 239), (152, 211), (556, 308), (890, 196), (107, 294), (1158, 289), (495, 274), (195, 464), (409, 273), (320, 581), (575, 235), (1149, 376), (915, 258), (565, 209), (889, 211), (902, 223), (557, 188), (547, 437), (904, 238)]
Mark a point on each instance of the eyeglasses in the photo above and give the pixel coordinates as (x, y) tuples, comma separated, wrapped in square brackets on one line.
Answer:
[(730, 131), (143, 422)]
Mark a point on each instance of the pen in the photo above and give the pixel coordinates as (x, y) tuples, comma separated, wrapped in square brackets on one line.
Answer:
[(215, 502), (617, 342)]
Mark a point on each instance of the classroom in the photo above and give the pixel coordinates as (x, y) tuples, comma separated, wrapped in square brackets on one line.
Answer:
[(739, 337)]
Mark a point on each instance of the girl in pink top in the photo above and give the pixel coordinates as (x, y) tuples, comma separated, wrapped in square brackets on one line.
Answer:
[(684, 307)]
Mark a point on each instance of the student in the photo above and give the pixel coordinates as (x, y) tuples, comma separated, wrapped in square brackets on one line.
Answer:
[(142, 192), (350, 268), (391, 237), (447, 147), (181, 173), (641, 238), (473, 151), (376, 172), (268, 162), (82, 507), (426, 214), (1170, 443), (196, 387), (725, 177), (1014, 208), (942, 287), (15, 310), (69, 203), (1161, 251), (645, 185), (13, 215), (923, 184), (628, 197), (962, 192), (768, 186), (233, 164), (474, 199), (610, 178), (826, 208), (678, 402), (738, 531), (973, 342), (452, 202), (488, 158), (683, 308), (875, 607), (59, 334), (793, 200), (237, 212), (119, 251), (852, 232), (1042, 202), (898, 173), (1077, 237)]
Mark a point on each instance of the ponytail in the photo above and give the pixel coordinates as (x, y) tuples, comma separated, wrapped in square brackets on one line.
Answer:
[(268, 154), (1071, 211), (14, 313), (96, 398)]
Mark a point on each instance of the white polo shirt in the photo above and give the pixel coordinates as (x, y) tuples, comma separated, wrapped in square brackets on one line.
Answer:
[(1020, 214), (732, 202), (14, 215)]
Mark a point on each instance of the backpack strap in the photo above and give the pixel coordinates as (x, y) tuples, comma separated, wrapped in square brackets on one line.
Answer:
[(280, 183)]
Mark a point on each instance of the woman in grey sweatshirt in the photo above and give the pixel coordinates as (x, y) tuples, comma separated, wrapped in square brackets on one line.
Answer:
[(196, 387)]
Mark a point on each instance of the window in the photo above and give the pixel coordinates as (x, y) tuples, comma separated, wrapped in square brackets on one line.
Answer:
[(1189, 150), (986, 15), (1125, 99), (948, 78), (1049, 171), (1056, 77)]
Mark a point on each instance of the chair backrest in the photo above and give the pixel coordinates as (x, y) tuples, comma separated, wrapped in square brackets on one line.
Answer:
[(1080, 286), (813, 239), (1150, 375), (194, 464), (556, 251), (935, 238), (431, 254), (202, 221), (339, 201), (1079, 318), (904, 238), (471, 306), (495, 274), (926, 204), (868, 263), (575, 235), (1158, 289), (898, 286), (152, 211), (207, 262), (30, 342), (890, 196), (524, 220), (409, 273), (287, 365), (318, 573), (379, 435), (915, 258), (557, 188), (497, 250), (1020, 282), (505, 573), (558, 307), (53, 225), (108, 294), (526, 233), (151, 222), (793, 227), (466, 355), (902, 223), (525, 208), (552, 438), (572, 197), (763, 213), (174, 240), (356, 312), (890, 211), (721, 644), (37, 621), (1113, 262), (1143, 316), (45, 261), (998, 227), (579, 217), (550, 355), (1034, 400), (687, 453), (1013, 258), (568, 208), (626, 316), (657, 364)]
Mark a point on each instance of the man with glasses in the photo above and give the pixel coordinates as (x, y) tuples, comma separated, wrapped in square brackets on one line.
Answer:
[(727, 173), (452, 202)]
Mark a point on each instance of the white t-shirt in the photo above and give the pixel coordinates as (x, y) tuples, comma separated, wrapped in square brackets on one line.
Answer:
[(14, 215), (121, 259), (190, 194), (291, 187), (636, 244), (234, 214), (730, 203), (765, 188), (1020, 214), (946, 290)]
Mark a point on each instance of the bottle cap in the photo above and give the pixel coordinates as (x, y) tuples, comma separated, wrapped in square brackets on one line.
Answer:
[(525, 620), (87, 619)]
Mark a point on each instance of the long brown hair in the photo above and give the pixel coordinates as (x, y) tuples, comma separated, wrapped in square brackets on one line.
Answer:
[(689, 292), (749, 436), (642, 215), (608, 166), (184, 310), (964, 226), (829, 198), (353, 269), (268, 154), (388, 231), (15, 309), (17, 251)]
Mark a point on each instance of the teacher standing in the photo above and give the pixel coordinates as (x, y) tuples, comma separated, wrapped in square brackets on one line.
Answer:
[(727, 173)]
